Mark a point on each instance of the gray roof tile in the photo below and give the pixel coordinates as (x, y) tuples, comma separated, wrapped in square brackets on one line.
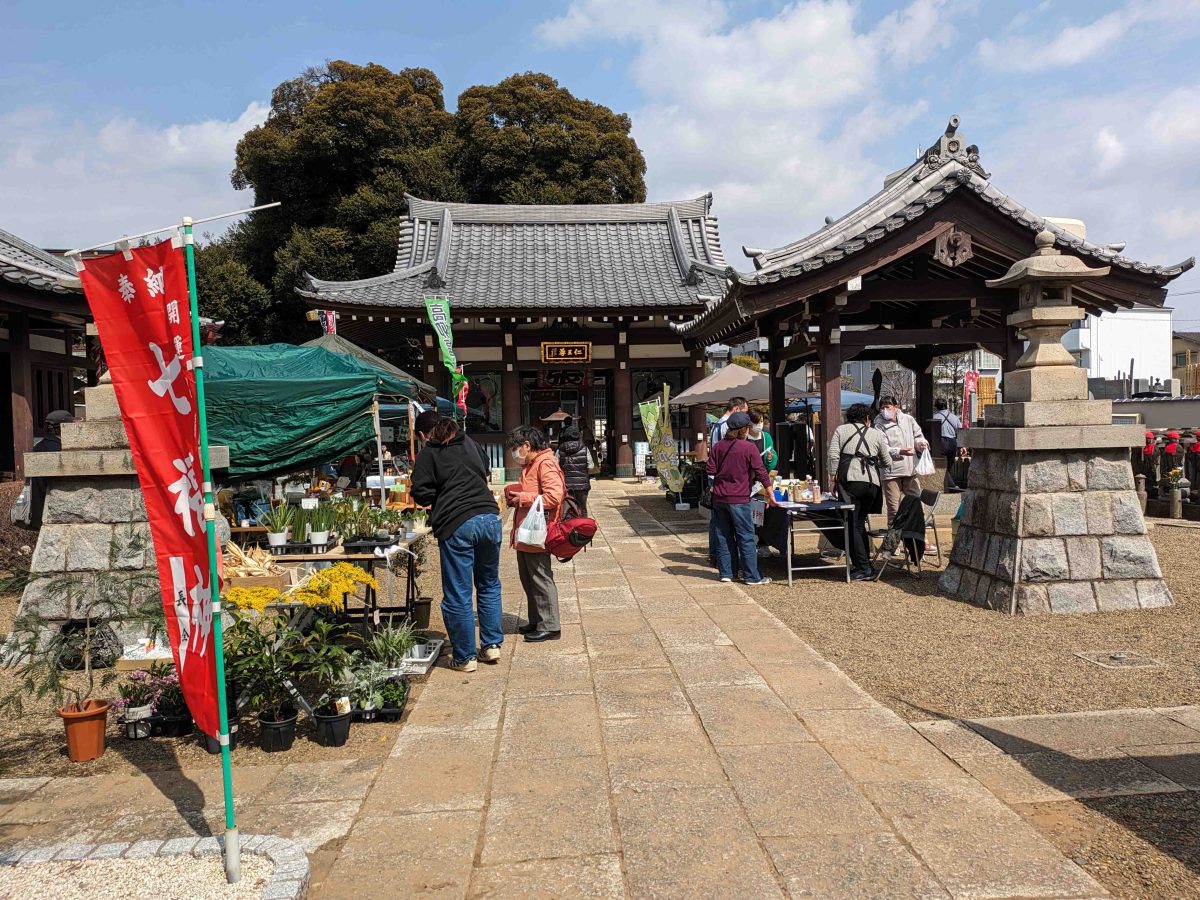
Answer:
[(24, 264), (597, 256)]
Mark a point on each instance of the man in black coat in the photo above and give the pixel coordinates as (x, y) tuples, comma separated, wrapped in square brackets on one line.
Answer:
[(573, 458)]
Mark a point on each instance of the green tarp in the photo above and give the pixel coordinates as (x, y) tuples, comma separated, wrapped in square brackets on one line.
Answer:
[(279, 407), (335, 343)]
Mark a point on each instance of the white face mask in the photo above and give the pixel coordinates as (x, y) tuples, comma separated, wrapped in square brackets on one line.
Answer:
[(756, 433), (890, 414), (520, 453)]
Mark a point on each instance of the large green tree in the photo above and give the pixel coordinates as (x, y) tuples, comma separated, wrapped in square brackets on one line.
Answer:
[(342, 145)]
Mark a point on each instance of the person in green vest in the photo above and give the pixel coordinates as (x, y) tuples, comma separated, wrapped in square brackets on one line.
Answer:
[(761, 438)]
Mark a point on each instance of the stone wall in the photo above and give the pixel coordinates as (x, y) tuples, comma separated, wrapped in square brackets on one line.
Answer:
[(1064, 526)]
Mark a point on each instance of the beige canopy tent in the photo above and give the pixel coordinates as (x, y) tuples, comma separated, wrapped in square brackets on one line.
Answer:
[(730, 381)]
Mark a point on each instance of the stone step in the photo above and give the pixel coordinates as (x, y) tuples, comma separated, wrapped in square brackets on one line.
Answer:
[(94, 435), (75, 463), (100, 403)]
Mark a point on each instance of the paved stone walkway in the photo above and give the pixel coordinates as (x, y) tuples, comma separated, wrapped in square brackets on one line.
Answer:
[(679, 741)]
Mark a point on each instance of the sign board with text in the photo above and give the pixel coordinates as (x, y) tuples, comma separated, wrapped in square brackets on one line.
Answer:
[(566, 351)]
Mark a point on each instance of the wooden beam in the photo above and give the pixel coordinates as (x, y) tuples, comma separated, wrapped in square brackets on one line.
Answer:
[(917, 290), (893, 337)]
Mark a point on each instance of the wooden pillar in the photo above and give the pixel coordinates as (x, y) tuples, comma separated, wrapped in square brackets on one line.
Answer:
[(22, 390), (623, 408), (698, 418), (925, 389), (830, 356), (91, 344), (510, 405), (775, 371)]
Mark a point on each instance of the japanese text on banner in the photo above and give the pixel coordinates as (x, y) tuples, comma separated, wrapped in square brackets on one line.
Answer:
[(140, 308)]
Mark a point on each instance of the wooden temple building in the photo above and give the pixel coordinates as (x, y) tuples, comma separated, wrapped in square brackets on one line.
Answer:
[(556, 309), (901, 277), (42, 319)]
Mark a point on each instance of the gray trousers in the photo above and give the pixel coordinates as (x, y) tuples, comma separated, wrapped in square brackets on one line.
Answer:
[(537, 578)]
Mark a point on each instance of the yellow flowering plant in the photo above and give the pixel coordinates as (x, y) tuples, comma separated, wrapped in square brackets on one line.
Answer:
[(252, 598), (329, 587)]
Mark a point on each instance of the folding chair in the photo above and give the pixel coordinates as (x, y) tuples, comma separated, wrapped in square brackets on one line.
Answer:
[(895, 547), (929, 500)]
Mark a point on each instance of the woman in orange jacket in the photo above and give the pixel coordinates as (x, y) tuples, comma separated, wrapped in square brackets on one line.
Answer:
[(540, 476)]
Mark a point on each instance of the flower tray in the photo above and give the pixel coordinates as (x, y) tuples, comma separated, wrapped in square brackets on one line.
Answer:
[(366, 546), (170, 726), (420, 665)]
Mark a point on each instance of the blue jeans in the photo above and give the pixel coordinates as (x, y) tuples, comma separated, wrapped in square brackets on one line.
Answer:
[(471, 555), (736, 546)]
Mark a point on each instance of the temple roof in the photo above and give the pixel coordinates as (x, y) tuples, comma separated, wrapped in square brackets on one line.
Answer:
[(502, 257), (947, 168), (24, 264)]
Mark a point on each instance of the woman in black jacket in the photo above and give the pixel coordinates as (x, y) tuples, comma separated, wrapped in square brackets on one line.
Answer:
[(451, 475), (573, 458)]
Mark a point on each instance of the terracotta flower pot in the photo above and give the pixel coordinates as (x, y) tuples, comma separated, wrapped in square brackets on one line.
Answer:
[(85, 729)]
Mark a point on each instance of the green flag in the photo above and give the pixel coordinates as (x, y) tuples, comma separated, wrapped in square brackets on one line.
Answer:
[(438, 309)]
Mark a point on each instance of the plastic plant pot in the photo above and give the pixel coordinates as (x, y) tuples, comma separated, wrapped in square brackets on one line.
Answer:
[(277, 737), (333, 731)]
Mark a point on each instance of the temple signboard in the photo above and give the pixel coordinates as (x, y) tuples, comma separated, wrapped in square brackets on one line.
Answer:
[(566, 352)]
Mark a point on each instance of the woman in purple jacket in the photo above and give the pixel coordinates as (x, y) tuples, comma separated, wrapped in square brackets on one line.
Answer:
[(735, 465)]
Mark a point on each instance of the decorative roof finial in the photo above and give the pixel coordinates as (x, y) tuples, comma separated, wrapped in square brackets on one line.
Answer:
[(951, 146)]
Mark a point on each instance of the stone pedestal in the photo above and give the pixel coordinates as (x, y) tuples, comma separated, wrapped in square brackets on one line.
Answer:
[(1051, 521), (94, 531)]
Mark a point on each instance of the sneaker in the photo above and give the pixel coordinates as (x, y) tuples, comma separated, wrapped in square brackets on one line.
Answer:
[(467, 665), (756, 583), (726, 581), (490, 654)]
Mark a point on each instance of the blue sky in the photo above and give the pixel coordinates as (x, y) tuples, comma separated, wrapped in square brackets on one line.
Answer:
[(123, 118)]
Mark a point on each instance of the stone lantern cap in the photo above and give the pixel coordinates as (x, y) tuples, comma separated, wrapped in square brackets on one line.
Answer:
[(1047, 266)]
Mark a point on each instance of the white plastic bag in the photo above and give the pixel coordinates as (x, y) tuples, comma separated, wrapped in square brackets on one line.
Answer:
[(533, 527), (925, 463)]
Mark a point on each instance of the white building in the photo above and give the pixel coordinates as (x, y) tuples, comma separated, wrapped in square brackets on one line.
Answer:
[(1104, 345)]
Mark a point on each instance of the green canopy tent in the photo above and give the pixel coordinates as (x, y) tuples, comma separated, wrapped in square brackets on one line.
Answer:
[(335, 343), (280, 407)]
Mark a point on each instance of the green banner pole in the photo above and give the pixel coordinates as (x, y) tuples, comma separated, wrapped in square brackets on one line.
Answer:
[(233, 852)]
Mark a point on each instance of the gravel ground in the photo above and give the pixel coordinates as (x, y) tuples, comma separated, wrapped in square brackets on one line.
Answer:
[(34, 744), (926, 656), (1140, 848), (161, 877)]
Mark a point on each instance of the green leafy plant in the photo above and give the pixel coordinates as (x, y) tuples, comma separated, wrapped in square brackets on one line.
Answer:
[(45, 656), (327, 663), (264, 658), (301, 519), (393, 692), (366, 689), (389, 644), (277, 518), (322, 518)]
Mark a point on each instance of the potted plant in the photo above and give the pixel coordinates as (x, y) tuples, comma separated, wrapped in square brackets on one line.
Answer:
[(409, 518), (264, 658), (320, 523), (135, 704), (171, 715), (394, 695), (365, 692), (419, 518), (277, 520), (328, 665), (46, 658), (389, 646), (301, 518)]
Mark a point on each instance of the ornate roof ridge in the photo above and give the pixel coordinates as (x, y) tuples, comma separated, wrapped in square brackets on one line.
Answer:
[(557, 214), (23, 263)]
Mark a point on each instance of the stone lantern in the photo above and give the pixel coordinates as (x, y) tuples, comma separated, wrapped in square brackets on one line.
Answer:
[(1050, 520)]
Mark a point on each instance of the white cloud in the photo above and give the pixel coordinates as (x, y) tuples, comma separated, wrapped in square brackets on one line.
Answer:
[(772, 114), (75, 183), (1071, 45), (1109, 150)]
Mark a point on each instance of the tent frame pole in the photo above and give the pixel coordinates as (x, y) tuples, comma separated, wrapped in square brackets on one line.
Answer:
[(379, 453)]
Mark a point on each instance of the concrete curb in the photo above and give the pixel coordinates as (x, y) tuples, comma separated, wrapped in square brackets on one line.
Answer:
[(289, 880)]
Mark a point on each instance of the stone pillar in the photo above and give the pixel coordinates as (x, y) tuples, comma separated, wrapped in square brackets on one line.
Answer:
[(1050, 520), (94, 535), (510, 406), (623, 409)]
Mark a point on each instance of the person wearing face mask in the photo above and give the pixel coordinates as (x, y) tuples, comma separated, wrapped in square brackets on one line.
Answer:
[(761, 438), (904, 442), (450, 475), (735, 465), (541, 476)]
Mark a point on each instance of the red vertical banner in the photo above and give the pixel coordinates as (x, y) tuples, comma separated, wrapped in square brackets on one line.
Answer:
[(139, 299)]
